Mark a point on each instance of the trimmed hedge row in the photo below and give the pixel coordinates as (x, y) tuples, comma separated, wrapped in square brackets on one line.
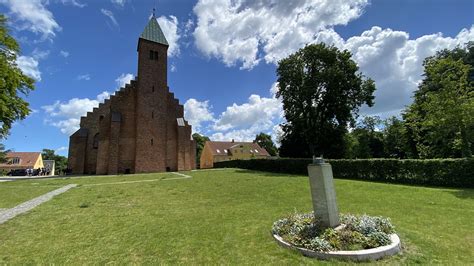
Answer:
[(433, 172)]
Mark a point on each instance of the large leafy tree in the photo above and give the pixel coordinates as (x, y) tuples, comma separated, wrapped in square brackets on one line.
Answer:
[(321, 89), (265, 141), (3, 154), (441, 119), (200, 141), (13, 83), (394, 138), (60, 161)]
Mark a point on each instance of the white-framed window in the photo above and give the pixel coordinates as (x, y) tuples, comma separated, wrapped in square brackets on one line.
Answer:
[(256, 151), (218, 151), (15, 160), (225, 151)]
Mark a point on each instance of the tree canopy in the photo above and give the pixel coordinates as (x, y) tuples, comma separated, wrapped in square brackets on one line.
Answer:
[(13, 83), (321, 89), (441, 119), (265, 141)]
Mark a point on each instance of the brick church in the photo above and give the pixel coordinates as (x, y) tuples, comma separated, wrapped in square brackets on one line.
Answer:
[(141, 128)]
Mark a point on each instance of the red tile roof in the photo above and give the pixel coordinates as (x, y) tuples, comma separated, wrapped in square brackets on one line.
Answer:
[(225, 145), (27, 159)]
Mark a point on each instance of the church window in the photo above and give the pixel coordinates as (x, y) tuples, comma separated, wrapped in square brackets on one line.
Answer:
[(151, 54), (15, 160), (153, 89), (95, 142), (156, 55), (152, 114), (151, 142)]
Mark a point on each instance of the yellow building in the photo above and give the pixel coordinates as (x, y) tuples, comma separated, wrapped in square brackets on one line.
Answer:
[(22, 160), (218, 151)]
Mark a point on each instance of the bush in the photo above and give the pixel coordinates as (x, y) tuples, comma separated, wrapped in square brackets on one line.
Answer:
[(432, 172)]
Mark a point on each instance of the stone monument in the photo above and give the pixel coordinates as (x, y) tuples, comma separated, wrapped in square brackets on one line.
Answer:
[(323, 193)]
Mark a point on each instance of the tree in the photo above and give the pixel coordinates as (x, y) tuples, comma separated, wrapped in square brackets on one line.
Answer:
[(200, 141), (394, 138), (13, 82), (321, 90), (60, 161), (265, 141), (441, 119), (3, 153), (367, 139)]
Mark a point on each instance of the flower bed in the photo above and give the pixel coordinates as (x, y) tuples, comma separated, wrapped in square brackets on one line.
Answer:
[(356, 233)]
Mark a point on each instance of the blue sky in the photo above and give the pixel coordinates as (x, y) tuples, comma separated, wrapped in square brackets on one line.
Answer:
[(222, 58)]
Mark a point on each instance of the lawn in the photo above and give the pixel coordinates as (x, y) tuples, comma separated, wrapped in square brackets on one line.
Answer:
[(222, 216)]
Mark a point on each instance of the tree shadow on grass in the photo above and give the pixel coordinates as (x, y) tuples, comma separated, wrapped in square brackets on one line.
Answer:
[(464, 193)]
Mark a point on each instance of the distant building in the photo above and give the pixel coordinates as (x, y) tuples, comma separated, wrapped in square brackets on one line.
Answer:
[(23, 160), (50, 166), (141, 128), (218, 151)]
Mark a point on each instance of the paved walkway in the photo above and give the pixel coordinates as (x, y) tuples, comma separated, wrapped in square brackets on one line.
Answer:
[(8, 214)]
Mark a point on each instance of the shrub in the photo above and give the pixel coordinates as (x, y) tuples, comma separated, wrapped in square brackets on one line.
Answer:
[(433, 172)]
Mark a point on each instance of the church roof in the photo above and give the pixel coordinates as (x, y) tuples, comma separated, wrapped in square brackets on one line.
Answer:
[(153, 32)]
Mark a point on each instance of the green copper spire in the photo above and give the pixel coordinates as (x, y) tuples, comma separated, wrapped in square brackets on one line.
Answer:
[(153, 32)]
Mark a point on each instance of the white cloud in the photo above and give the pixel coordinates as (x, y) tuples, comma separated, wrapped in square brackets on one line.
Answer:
[(39, 54), (119, 3), (123, 79), (64, 54), (74, 3), (29, 66), (34, 17), (66, 115), (61, 149), (110, 15), (84, 77), (246, 32), (243, 122), (170, 30), (196, 112), (394, 61)]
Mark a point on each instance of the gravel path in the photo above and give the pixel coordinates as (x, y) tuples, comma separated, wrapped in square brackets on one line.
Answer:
[(8, 214)]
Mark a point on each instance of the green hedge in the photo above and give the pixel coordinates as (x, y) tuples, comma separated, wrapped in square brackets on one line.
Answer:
[(434, 172)]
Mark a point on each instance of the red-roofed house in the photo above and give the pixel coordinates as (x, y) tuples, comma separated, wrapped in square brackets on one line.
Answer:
[(23, 160), (218, 151)]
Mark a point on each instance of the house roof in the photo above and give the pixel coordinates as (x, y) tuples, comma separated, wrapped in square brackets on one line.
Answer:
[(226, 145), (27, 159), (153, 32)]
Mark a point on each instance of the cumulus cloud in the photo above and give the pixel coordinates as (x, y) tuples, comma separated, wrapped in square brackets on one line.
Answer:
[(29, 66), (123, 79), (196, 113), (169, 25), (66, 115), (242, 122), (394, 61), (245, 32), (110, 15), (32, 15)]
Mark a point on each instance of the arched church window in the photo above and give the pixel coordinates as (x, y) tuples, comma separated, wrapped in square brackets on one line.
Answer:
[(95, 142)]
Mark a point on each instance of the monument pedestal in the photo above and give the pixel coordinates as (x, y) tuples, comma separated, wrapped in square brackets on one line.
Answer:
[(323, 194)]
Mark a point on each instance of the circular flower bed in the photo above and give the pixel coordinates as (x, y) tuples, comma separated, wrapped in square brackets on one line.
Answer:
[(354, 233)]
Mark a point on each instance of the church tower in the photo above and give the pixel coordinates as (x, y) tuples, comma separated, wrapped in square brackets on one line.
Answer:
[(141, 128)]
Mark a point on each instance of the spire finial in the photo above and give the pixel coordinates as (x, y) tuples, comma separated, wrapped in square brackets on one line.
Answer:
[(154, 12)]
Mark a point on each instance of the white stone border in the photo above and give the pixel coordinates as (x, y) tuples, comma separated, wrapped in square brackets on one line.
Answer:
[(357, 255)]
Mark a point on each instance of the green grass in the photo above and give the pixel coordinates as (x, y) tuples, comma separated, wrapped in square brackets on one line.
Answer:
[(220, 217)]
